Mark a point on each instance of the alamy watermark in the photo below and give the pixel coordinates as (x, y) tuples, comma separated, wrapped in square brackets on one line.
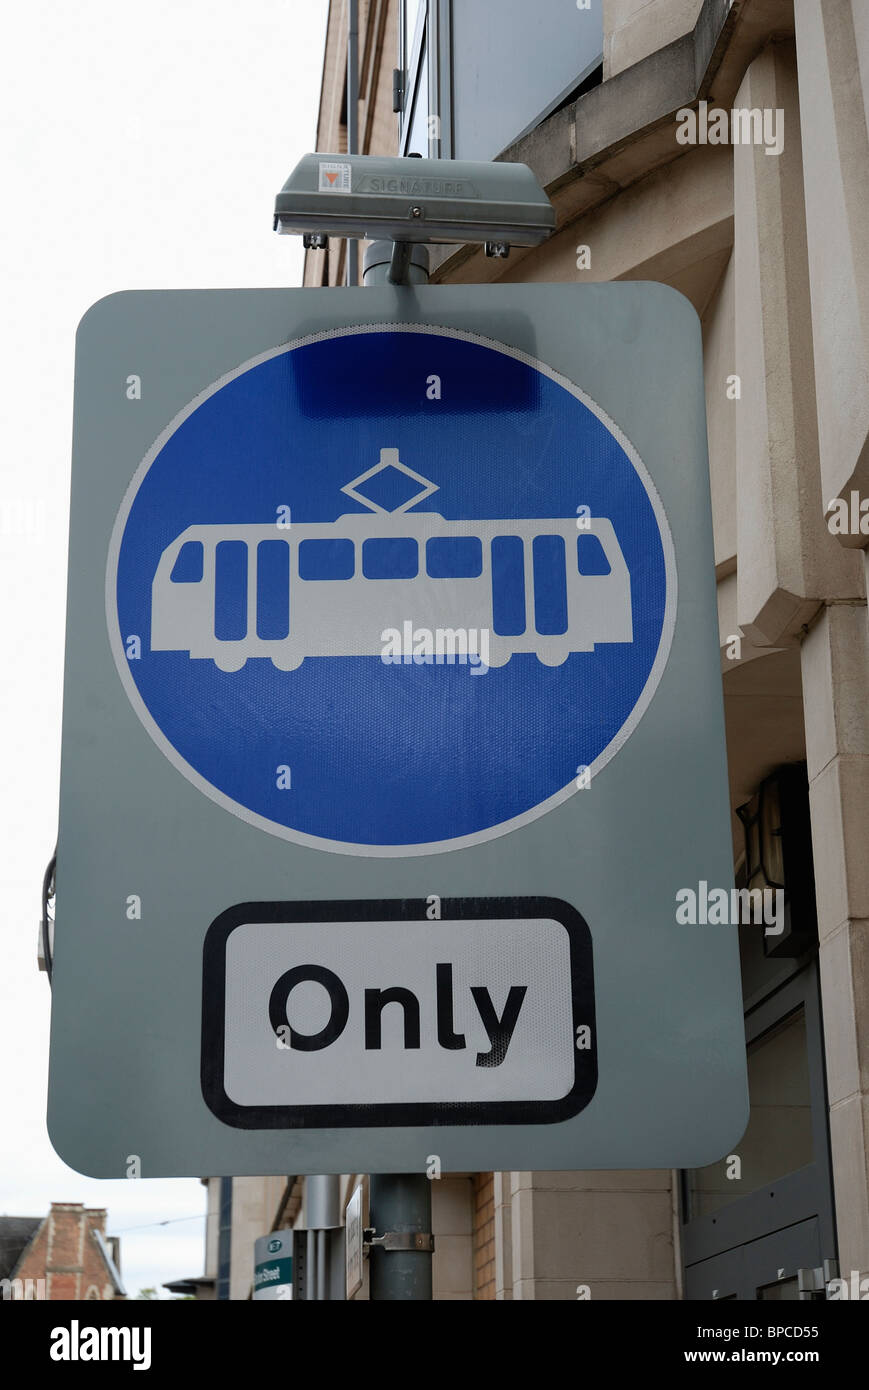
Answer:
[(77, 1343), (731, 907), (441, 646), (741, 126), (854, 1288), (19, 1290), (848, 516)]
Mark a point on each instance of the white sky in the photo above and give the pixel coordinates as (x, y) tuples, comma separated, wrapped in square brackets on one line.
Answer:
[(142, 146)]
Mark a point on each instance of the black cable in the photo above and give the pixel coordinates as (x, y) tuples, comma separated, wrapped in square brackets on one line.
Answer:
[(47, 892)]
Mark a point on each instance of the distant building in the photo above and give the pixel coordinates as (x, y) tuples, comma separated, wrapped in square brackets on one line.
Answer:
[(65, 1255)]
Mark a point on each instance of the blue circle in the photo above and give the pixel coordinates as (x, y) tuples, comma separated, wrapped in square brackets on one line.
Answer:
[(389, 755)]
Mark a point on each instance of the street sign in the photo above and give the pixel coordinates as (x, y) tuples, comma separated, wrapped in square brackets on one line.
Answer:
[(353, 1237), (267, 583), (392, 719), (494, 1004), (273, 1266)]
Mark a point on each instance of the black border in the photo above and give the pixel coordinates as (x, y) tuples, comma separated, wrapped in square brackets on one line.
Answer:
[(388, 1115)]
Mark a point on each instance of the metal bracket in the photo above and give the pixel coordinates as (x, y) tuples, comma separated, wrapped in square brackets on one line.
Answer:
[(400, 262), (422, 1241)]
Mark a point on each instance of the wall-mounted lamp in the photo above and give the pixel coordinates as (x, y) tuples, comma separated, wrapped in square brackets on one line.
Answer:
[(778, 855)]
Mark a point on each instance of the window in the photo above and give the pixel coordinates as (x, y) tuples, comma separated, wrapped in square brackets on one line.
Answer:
[(765, 1210), (748, 1225), (188, 565), (390, 558), (779, 1138), (230, 591), (272, 590), (413, 8), (326, 560), (489, 78), (423, 34), (418, 131), (454, 557), (591, 556), (508, 586), (550, 586)]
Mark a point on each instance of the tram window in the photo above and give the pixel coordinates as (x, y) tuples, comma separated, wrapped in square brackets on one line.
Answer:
[(230, 591), (550, 586), (273, 590), (326, 559), (454, 557), (392, 557), (188, 567), (591, 556), (508, 586)]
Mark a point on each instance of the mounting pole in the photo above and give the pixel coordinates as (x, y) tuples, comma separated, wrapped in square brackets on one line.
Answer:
[(395, 263), (400, 1241), (352, 276)]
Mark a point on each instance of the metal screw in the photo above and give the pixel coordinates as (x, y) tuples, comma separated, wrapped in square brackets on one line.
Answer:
[(416, 212)]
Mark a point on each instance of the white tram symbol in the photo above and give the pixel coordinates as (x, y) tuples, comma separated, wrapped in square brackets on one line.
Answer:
[(550, 587)]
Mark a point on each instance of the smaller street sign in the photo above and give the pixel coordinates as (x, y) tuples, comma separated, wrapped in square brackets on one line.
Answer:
[(273, 1266)]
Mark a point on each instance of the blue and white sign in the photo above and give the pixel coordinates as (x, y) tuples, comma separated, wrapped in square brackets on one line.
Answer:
[(391, 589), (388, 745)]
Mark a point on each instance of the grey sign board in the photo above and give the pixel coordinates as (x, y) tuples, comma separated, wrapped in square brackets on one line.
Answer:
[(392, 730)]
